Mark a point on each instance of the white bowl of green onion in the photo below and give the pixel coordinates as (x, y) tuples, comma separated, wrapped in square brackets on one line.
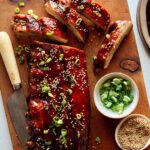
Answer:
[(116, 95)]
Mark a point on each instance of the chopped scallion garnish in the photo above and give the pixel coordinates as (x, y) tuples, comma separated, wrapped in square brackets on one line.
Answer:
[(79, 116), (58, 121), (22, 59), (17, 10), (45, 89), (63, 132), (61, 57), (48, 142), (77, 62), (42, 63), (98, 140), (30, 11), (78, 22), (21, 4), (49, 33), (46, 131)]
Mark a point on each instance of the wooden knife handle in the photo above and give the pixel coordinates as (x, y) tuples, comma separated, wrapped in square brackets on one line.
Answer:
[(7, 53)]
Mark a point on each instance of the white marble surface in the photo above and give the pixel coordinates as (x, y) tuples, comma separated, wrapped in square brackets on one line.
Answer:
[(5, 140), (143, 52)]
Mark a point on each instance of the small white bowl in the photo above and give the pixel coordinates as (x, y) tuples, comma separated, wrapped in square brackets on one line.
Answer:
[(120, 124), (108, 112)]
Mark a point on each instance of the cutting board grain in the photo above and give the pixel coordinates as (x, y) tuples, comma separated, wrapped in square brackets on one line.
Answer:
[(99, 125)]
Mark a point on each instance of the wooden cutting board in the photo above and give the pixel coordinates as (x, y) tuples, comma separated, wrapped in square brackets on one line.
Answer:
[(99, 125)]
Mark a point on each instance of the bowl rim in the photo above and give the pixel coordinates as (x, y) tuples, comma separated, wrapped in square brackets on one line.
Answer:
[(102, 80), (120, 124)]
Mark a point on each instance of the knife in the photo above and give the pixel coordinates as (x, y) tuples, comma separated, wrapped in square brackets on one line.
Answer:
[(17, 104)]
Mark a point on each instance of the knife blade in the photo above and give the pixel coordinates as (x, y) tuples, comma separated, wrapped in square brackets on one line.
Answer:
[(17, 102)]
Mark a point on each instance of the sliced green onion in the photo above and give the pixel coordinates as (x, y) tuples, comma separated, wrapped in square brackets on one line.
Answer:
[(104, 96), (22, 59), (49, 33), (117, 81), (61, 57), (98, 140), (46, 131), (108, 36), (21, 4), (78, 22), (48, 60), (108, 104), (17, 10), (126, 99), (19, 49), (35, 16), (94, 57), (30, 11), (69, 91), (57, 121), (78, 116), (63, 132), (81, 7), (63, 99), (106, 85), (45, 89), (114, 99), (50, 95), (77, 62), (78, 134), (23, 22), (42, 63), (46, 68), (48, 142), (43, 52)]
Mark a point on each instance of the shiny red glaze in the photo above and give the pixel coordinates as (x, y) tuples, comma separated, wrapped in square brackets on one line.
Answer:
[(72, 19), (60, 8), (49, 25), (107, 45), (26, 24), (37, 73), (31, 24), (90, 9), (76, 103), (69, 17)]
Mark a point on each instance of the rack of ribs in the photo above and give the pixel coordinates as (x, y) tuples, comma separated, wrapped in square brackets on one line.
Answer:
[(69, 17), (41, 28), (118, 30), (59, 105)]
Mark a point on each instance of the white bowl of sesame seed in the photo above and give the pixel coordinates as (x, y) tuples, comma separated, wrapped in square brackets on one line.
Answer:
[(133, 132)]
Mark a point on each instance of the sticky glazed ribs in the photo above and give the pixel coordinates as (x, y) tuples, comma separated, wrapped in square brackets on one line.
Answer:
[(43, 27), (69, 17), (58, 114), (118, 30), (92, 11)]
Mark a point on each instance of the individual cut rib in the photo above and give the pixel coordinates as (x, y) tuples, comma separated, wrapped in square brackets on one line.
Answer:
[(69, 17), (93, 11), (44, 27), (59, 98), (118, 30)]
